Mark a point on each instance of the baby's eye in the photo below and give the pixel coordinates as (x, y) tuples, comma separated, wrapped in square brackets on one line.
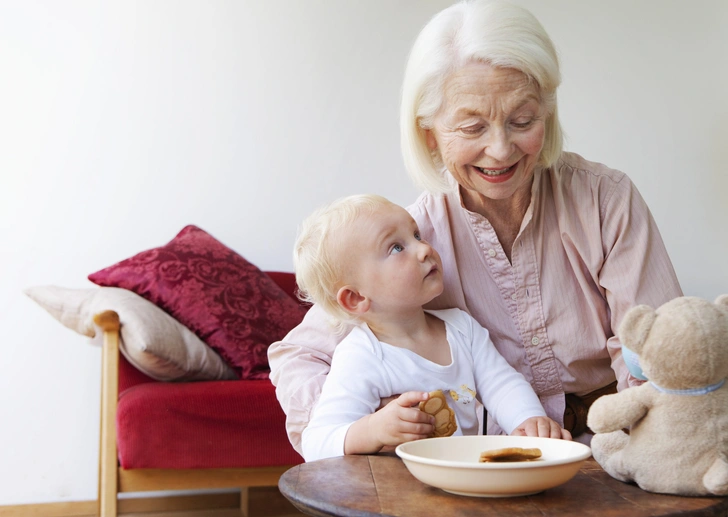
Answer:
[(397, 248), (417, 236)]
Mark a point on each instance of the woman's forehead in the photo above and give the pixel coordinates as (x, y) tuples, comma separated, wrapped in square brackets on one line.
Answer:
[(467, 89)]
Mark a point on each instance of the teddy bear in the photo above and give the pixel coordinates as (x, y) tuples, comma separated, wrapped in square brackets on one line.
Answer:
[(677, 422)]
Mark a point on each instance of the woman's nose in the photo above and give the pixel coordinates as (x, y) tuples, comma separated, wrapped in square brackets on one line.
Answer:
[(498, 144)]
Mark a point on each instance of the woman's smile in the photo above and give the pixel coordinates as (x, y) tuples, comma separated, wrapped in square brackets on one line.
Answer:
[(497, 175)]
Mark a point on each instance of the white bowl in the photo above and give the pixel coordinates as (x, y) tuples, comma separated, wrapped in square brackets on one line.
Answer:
[(452, 464)]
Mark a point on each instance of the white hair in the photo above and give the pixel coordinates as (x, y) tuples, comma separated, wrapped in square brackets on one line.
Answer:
[(493, 32), (318, 260)]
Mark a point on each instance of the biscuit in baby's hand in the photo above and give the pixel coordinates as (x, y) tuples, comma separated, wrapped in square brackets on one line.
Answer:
[(436, 405), (509, 454)]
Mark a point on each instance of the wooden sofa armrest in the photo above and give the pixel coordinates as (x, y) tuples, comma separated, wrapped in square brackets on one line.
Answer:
[(109, 323)]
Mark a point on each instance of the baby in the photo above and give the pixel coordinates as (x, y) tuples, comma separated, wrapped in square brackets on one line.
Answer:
[(362, 259)]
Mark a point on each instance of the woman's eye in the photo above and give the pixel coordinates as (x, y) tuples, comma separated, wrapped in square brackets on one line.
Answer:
[(397, 248), (522, 124), (472, 130)]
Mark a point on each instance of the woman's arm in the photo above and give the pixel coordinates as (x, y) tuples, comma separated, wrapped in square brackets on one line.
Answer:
[(299, 365), (636, 270)]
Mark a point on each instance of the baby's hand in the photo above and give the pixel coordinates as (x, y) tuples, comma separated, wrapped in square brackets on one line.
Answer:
[(387, 400), (400, 422), (541, 426)]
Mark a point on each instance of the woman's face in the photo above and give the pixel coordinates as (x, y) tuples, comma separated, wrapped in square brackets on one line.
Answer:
[(489, 130)]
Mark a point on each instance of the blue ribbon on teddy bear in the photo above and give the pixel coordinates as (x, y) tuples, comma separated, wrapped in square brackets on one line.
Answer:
[(632, 361)]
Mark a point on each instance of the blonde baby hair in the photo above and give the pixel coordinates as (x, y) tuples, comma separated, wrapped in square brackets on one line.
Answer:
[(318, 260)]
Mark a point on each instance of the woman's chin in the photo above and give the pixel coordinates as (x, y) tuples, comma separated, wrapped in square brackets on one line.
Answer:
[(504, 186)]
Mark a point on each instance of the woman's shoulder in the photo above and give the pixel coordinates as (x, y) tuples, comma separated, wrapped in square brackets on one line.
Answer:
[(574, 177), (573, 166), (434, 211), (425, 203)]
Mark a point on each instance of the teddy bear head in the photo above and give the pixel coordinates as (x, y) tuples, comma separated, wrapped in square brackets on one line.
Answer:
[(681, 345)]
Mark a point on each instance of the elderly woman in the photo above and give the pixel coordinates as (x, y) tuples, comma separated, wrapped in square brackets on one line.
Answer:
[(545, 249)]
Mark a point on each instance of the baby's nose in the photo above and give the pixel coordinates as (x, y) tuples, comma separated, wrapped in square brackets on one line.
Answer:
[(424, 250)]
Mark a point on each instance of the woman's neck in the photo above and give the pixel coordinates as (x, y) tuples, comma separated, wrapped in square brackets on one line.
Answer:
[(504, 215)]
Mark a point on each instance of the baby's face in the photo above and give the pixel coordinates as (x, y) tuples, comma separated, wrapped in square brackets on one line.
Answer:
[(389, 262)]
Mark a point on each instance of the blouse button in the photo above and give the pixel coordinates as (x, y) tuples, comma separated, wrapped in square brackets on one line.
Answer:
[(513, 297), (491, 252), (534, 340)]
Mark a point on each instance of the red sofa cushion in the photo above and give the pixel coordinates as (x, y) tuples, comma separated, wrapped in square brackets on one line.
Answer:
[(208, 424), (227, 301)]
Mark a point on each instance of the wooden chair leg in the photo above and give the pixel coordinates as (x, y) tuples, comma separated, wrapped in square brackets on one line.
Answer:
[(244, 501), (108, 458)]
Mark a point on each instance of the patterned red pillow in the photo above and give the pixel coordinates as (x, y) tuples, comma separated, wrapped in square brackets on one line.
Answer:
[(228, 302)]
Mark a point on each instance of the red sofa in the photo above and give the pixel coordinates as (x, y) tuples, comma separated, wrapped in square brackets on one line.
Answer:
[(185, 435)]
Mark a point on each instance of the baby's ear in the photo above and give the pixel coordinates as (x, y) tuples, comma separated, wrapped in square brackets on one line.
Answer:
[(352, 301)]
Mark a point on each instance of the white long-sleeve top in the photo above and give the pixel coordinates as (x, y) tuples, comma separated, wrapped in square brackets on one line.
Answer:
[(365, 370)]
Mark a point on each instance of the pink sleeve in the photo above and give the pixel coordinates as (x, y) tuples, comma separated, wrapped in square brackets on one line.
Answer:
[(299, 365), (636, 270)]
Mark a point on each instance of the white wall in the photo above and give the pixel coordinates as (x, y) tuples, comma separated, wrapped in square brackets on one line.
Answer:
[(121, 122)]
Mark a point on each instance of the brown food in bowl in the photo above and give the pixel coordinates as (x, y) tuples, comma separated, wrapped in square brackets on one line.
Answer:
[(509, 454)]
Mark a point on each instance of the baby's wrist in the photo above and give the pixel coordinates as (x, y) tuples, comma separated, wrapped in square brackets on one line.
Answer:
[(373, 432)]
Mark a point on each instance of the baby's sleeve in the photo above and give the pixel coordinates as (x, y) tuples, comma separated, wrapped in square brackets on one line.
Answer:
[(351, 391)]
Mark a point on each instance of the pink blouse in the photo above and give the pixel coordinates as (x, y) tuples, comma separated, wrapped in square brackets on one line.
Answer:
[(587, 251)]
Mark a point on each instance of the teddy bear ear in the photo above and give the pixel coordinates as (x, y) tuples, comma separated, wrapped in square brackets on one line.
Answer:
[(722, 300), (635, 327)]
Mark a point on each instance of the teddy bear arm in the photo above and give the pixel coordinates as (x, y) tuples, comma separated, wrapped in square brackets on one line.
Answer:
[(614, 412)]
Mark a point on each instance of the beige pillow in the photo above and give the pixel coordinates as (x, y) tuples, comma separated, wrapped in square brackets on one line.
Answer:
[(151, 340)]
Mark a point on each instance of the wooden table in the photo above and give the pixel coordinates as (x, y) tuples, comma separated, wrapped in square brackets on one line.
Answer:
[(362, 486)]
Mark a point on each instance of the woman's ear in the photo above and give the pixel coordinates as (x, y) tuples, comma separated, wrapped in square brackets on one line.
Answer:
[(430, 139), (352, 301)]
